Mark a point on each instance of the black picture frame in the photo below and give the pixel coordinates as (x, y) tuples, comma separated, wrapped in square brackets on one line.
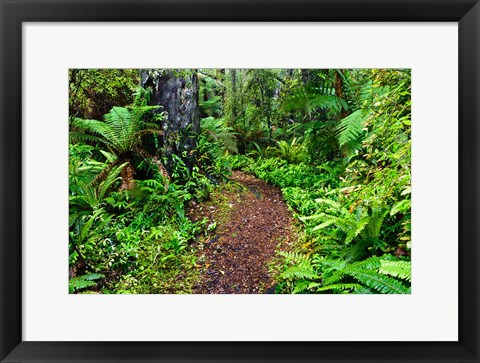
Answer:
[(14, 12)]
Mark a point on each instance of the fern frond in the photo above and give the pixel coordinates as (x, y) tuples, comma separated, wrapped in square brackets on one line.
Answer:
[(304, 285), (351, 127), (299, 272), (339, 287), (294, 257), (334, 278), (354, 232), (378, 282), (327, 101), (109, 156), (330, 202), (80, 137), (399, 269), (82, 282), (105, 131), (325, 224), (111, 178), (376, 220)]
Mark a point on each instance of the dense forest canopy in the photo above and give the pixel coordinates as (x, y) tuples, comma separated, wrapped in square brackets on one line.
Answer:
[(240, 180)]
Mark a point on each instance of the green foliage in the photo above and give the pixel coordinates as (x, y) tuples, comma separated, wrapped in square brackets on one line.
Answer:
[(282, 174), (89, 195), (370, 274), (301, 268), (361, 229), (143, 235), (293, 151), (400, 269), (82, 282), (218, 132), (121, 133), (319, 275), (360, 209), (216, 139), (351, 131), (121, 130), (93, 92), (312, 98), (335, 141)]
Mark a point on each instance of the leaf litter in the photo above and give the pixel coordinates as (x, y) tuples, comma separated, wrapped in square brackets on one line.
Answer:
[(235, 257)]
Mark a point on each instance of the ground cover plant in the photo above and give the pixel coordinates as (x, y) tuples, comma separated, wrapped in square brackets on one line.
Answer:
[(240, 181)]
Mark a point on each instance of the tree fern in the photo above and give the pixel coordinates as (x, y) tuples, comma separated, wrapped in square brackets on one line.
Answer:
[(121, 133), (311, 98)]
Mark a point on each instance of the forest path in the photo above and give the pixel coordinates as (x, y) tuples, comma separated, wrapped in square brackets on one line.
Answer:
[(253, 223)]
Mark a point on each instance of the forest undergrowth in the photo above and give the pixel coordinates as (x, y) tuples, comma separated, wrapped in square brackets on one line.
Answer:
[(240, 181)]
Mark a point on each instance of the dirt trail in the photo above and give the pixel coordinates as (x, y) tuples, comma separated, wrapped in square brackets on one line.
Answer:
[(236, 255)]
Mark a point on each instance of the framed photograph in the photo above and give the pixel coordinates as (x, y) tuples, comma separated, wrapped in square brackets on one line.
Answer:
[(239, 181)]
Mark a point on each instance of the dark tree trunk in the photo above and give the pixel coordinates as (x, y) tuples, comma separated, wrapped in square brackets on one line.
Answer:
[(339, 90), (177, 92), (305, 76)]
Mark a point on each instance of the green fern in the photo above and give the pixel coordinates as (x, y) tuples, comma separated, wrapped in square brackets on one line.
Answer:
[(327, 101), (302, 266), (303, 271), (294, 257), (361, 229), (82, 282), (379, 282), (372, 273), (90, 194), (385, 275), (340, 288), (217, 131), (350, 131), (292, 151), (121, 133), (305, 286), (399, 269)]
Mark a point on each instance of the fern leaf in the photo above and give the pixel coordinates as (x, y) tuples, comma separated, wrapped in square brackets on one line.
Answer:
[(378, 282), (299, 272), (339, 287), (399, 269), (301, 286), (82, 282), (325, 224), (330, 202), (351, 127), (294, 257), (359, 228), (334, 278)]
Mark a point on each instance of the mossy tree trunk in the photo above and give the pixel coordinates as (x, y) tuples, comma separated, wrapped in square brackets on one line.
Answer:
[(177, 92)]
